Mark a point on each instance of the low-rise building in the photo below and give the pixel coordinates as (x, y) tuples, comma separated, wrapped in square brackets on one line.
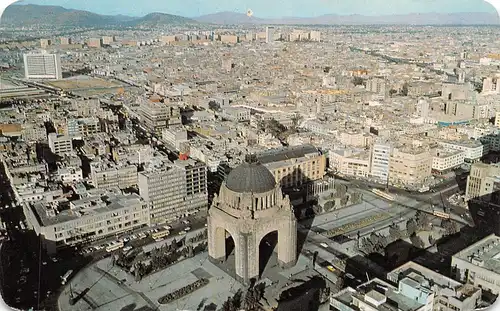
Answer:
[(448, 293), (350, 163), (377, 295), (60, 144), (443, 161), (87, 219), (474, 150), (236, 114), (478, 264), (105, 174)]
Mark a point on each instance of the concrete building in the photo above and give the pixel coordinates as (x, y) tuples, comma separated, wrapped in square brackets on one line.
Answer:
[(350, 163), (105, 175), (42, 66), (236, 114), (108, 40), (377, 85), (269, 34), (250, 208), (449, 295), (444, 162), (156, 116), (83, 127), (409, 165), (45, 43), (491, 85), (95, 42), (379, 161), (65, 41), (474, 150), (315, 36), (90, 218), (229, 39), (174, 136), (466, 110), (60, 144), (377, 295), (174, 190), (481, 180), (478, 264), (294, 166)]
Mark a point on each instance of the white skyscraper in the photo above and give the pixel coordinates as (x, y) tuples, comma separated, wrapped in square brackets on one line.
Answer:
[(380, 158), (42, 66), (269, 34)]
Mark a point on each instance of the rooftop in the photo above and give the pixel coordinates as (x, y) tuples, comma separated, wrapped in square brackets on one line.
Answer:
[(485, 253)]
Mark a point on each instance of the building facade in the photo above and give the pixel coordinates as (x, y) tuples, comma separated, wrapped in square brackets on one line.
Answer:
[(42, 66), (60, 144)]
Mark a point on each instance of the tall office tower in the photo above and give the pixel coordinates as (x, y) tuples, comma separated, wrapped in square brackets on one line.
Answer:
[(173, 189), (269, 34), (65, 41), (44, 43), (95, 42), (42, 66)]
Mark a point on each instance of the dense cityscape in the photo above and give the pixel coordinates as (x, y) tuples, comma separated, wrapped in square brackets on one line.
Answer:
[(166, 163)]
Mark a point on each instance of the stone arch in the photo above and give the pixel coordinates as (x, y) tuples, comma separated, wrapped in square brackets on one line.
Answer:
[(265, 251)]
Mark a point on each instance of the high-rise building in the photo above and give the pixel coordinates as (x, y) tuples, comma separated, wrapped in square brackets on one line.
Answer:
[(173, 190), (107, 40), (42, 66), (481, 180), (44, 43), (156, 115), (379, 161), (269, 34), (315, 36), (409, 165)]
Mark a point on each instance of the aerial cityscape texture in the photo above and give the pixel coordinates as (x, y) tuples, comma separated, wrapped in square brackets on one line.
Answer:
[(215, 156)]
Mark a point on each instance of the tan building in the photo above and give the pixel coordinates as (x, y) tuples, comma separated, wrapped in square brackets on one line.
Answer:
[(105, 175), (409, 165), (107, 40), (229, 39), (88, 219), (167, 39), (65, 41), (294, 166), (481, 179), (348, 163), (95, 42), (156, 116), (445, 161)]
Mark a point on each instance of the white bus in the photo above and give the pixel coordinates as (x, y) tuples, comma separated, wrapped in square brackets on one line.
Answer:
[(65, 277), (114, 246), (160, 234)]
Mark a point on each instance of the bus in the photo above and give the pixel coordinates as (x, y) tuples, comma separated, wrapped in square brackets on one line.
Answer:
[(160, 234), (113, 246), (441, 214), (65, 277), (383, 194)]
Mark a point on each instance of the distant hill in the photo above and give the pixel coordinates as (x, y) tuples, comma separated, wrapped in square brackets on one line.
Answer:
[(30, 14), (333, 19)]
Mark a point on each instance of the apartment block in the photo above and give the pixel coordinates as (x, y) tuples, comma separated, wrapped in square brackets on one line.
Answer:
[(83, 127), (45, 43), (481, 180), (65, 41), (42, 66), (478, 264), (108, 40), (174, 190), (449, 295), (409, 165), (294, 166), (106, 174), (60, 144), (157, 116), (473, 149), (87, 219), (95, 42), (444, 161), (270, 34)]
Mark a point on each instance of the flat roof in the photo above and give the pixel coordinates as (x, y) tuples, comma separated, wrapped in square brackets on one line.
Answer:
[(287, 153), (484, 253)]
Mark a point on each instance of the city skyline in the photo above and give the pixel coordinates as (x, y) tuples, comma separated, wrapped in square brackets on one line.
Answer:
[(263, 9)]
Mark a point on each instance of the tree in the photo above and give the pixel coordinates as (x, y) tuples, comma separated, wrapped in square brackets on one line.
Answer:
[(449, 226), (411, 227), (392, 92), (330, 205), (421, 220), (416, 241), (394, 232), (344, 200), (431, 240)]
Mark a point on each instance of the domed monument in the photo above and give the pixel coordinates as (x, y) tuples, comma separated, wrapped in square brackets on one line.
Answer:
[(250, 205)]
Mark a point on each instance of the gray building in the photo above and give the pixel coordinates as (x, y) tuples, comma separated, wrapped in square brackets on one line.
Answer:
[(42, 66), (174, 190)]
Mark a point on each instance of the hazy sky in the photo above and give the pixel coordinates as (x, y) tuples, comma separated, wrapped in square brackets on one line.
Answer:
[(272, 8)]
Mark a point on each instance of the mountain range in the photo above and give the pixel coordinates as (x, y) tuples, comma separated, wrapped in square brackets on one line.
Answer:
[(25, 15)]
